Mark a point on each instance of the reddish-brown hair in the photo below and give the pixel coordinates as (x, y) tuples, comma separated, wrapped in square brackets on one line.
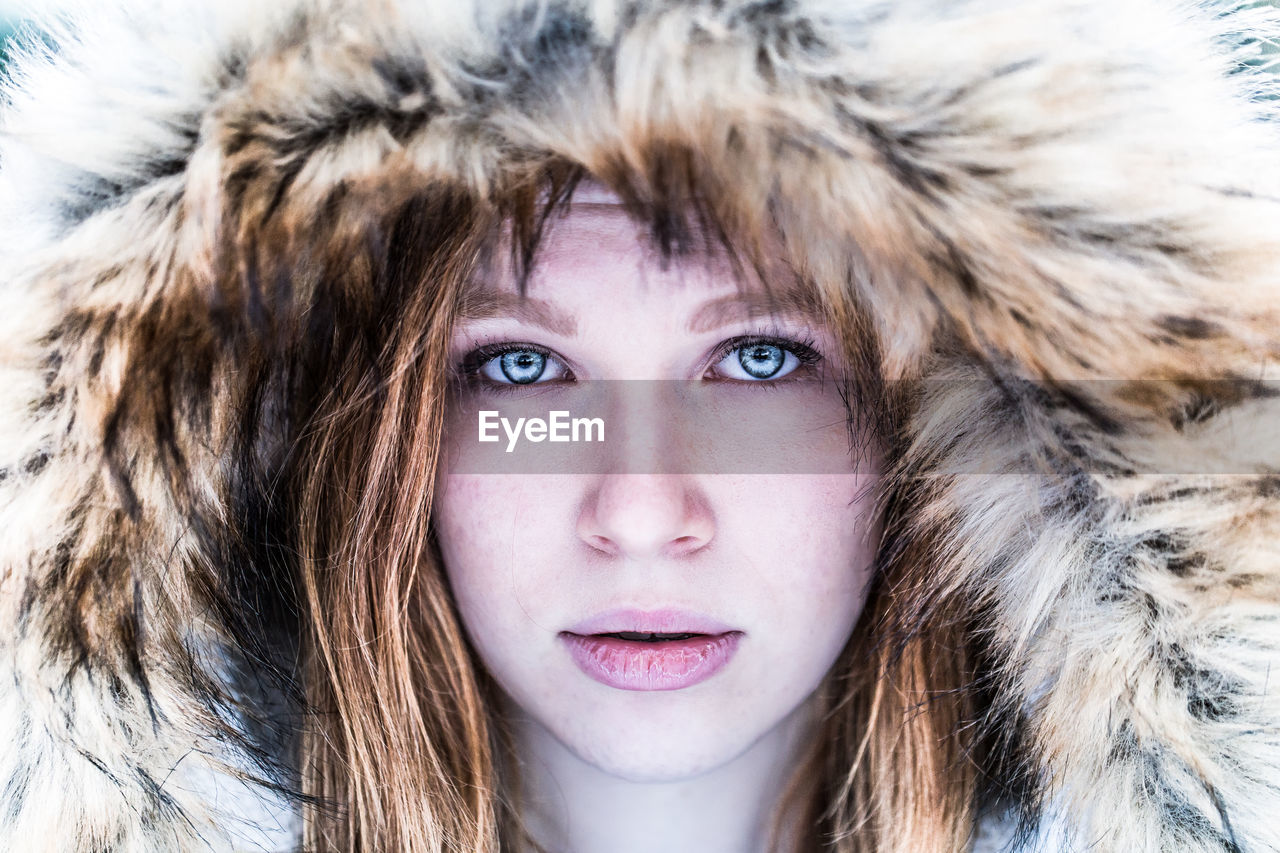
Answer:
[(403, 745)]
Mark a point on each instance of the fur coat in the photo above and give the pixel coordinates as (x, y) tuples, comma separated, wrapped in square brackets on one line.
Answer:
[(1062, 215)]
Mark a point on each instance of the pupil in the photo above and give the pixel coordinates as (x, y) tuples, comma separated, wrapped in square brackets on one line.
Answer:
[(761, 360), (523, 366)]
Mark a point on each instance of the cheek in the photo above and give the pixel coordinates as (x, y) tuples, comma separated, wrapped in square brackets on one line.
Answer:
[(513, 562), (487, 526), (813, 558), (467, 518)]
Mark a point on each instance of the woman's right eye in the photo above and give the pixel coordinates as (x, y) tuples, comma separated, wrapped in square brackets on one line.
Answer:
[(518, 366)]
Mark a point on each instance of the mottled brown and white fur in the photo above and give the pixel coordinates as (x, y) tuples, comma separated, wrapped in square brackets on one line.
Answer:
[(1043, 206)]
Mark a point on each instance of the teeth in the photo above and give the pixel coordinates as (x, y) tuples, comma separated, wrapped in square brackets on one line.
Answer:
[(645, 637)]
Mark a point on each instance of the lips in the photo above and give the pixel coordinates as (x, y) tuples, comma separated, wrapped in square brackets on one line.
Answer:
[(650, 651)]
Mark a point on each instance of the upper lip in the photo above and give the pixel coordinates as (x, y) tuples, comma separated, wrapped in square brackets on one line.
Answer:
[(664, 621)]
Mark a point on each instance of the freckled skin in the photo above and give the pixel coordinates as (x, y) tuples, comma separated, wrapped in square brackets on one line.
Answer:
[(783, 558)]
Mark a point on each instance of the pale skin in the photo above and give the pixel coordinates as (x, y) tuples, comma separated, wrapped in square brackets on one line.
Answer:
[(781, 561)]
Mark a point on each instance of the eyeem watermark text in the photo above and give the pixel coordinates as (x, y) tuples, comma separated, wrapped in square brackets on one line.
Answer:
[(559, 427)]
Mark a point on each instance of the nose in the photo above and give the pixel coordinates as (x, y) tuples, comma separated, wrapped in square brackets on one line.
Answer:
[(646, 516)]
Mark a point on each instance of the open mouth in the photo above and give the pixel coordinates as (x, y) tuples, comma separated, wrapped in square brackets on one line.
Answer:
[(651, 660), (642, 637)]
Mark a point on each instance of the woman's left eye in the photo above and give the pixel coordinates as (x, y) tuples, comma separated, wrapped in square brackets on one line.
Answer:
[(763, 360), (519, 366)]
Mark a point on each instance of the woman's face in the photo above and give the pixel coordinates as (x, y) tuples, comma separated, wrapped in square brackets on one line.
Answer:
[(748, 573)]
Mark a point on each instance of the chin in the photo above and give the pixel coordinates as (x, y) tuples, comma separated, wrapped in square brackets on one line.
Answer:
[(658, 759), (658, 747)]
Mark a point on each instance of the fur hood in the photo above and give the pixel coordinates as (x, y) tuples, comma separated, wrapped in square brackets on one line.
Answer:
[(1062, 216)]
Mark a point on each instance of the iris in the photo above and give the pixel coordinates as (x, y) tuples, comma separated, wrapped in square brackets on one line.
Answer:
[(761, 361), (523, 366)]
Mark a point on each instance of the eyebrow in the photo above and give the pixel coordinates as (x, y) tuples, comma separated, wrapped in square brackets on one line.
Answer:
[(749, 306), (527, 309), (710, 315)]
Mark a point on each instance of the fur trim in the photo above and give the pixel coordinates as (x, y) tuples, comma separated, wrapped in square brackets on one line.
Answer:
[(1044, 206)]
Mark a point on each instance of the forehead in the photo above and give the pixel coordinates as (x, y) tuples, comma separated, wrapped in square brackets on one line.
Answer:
[(596, 255)]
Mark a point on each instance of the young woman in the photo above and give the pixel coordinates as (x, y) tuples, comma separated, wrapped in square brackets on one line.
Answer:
[(661, 612), (918, 489)]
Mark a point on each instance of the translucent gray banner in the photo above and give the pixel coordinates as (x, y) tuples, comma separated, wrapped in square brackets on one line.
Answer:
[(963, 427)]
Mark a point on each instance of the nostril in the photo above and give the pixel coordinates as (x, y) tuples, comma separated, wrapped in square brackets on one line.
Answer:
[(685, 545), (603, 544)]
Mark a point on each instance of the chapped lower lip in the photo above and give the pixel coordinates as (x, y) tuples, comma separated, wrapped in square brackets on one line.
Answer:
[(638, 665)]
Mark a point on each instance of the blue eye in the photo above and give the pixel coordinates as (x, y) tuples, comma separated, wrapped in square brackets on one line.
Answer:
[(518, 366), (763, 360)]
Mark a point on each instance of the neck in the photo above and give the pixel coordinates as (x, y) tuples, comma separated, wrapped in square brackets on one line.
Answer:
[(570, 806)]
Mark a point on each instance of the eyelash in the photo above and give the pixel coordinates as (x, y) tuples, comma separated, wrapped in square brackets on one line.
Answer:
[(471, 363), (469, 368), (804, 350)]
